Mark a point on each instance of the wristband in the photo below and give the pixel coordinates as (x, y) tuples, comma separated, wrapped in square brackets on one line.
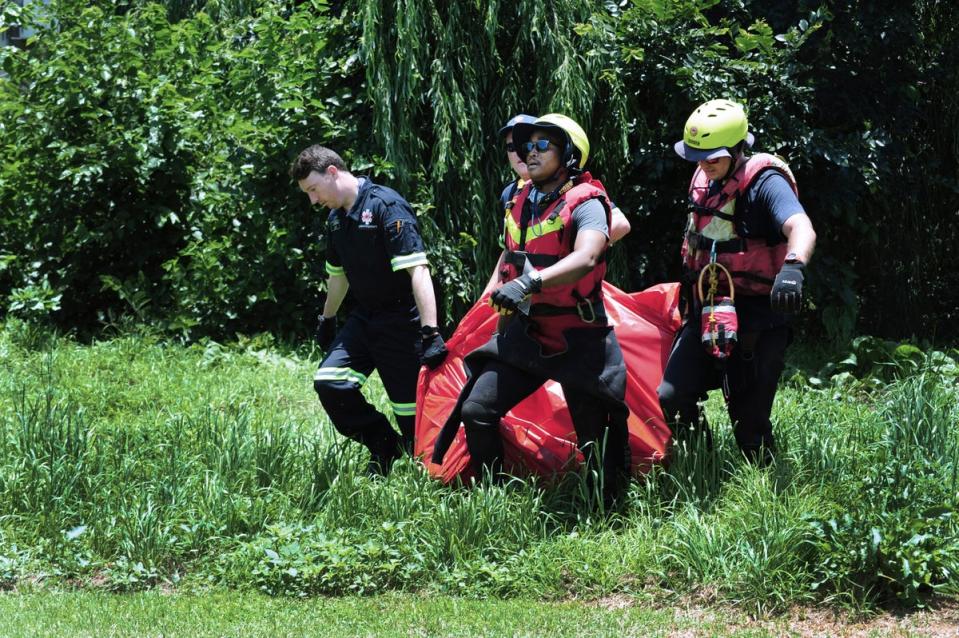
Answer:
[(536, 280)]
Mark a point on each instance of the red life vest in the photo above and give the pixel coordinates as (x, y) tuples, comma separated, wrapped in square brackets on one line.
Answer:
[(547, 239), (753, 262)]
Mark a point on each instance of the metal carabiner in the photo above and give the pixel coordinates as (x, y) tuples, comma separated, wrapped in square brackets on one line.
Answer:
[(592, 311), (537, 227)]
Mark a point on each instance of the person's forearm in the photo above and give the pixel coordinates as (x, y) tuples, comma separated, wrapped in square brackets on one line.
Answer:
[(569, 269), (586, 253), (422, 284), (336, 289), (800, 236)]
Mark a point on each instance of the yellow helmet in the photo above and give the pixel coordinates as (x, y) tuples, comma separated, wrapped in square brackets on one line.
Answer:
[(576, 151), (712, 129)]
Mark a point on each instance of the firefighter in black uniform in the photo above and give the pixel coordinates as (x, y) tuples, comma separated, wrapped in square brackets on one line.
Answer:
[(374, 248)]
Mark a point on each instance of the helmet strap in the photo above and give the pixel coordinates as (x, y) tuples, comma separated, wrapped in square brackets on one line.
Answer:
[(737, 157), (554, 177), (730, 170)]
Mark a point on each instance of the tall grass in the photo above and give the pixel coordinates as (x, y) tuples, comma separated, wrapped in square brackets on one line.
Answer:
[(137, 461)]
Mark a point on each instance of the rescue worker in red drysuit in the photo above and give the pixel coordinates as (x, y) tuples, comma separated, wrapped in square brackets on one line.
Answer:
[(553, 323), (746, 214)]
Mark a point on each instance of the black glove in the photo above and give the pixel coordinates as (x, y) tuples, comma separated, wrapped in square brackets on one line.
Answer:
[(786, 295), (325, 331), (507, 298), (434, 348)]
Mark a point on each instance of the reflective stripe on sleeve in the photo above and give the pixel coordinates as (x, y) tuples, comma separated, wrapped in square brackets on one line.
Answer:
[(408, 261), (336, 271)]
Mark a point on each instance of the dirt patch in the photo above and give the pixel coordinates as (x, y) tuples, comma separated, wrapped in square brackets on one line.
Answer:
[(939, 620), (616, 601)]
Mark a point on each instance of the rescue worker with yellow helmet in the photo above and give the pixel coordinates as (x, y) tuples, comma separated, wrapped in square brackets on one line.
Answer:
[(744, 214), (619, 225), (550, 297)]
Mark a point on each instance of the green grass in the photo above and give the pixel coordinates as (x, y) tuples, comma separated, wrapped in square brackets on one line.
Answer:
[(231, 614), (131, 462)]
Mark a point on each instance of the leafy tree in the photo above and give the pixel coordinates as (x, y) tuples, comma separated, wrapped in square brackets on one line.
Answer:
[(146, 144)]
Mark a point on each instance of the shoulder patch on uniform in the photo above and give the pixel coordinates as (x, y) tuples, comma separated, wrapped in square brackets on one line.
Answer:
[(384, 195)]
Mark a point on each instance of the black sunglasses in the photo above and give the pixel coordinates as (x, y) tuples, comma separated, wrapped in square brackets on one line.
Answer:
[(510, 147), (541, 146)]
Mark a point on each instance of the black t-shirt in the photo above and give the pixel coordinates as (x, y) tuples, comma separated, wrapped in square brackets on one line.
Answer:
[(373, 244), (766, 205)]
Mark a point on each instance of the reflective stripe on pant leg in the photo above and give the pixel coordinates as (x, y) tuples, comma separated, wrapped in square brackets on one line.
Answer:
[(346, 375), (338, 383), (352, 415), (403, 409), (405, 414)]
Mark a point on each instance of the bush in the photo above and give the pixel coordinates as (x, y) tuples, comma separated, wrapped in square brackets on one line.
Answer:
[(896, 535), (151, 173)]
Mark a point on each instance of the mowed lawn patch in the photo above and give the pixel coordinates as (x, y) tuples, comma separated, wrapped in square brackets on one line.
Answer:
[(144, 615)]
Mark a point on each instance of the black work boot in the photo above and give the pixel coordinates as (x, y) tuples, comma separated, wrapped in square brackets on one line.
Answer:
[(385, 447), (486, 451), (381, 464)]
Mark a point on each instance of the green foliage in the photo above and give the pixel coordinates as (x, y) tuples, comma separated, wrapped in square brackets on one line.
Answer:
[(305, 561), (896, 537), (35, 300), (151, 171), (891, 174), (757, 554), (146, 144), (873, 362), (213, 613), (443, 77)]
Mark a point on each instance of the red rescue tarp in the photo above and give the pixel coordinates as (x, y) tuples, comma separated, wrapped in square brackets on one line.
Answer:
[(538, 434)]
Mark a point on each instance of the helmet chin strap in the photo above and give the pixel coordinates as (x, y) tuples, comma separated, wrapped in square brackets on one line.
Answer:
[(555, 176), (733, 165)]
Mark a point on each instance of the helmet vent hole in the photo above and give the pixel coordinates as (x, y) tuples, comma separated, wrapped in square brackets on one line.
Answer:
[(706, 134)]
